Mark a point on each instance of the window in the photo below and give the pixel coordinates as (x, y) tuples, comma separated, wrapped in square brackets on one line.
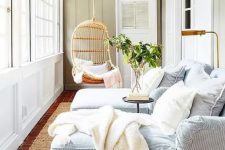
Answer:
[(35, 25), (24, 31), (187, 14), (137, 19), (135, 14), (57, 40), (188, 19), (46, 28), (187, 3), (5, 34)]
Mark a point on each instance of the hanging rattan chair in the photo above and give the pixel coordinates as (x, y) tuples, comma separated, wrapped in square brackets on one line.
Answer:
[(88, 43)]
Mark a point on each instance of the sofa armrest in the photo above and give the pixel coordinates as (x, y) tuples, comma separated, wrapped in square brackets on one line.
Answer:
[(201, 133)]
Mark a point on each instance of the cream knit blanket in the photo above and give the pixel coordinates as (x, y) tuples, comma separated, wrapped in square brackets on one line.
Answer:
[(110, 129)]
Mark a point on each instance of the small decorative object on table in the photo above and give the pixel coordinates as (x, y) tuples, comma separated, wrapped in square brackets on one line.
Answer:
[(138, 101), (138, 56)]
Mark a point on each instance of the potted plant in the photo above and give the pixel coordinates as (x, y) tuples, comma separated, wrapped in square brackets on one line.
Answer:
[(138, 56)]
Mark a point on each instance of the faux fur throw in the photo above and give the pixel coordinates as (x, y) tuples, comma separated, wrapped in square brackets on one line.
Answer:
[(109, 128)]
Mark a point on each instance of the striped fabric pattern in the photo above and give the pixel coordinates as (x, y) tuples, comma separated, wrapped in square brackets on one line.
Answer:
[(201, 133)]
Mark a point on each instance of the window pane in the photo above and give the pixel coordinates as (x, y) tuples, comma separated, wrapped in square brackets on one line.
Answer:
[(188, 19), (58, 27), (187, 3), (46, 22), (25, 30), (142, 19), (128, 15), (5, 34), (135, 15)]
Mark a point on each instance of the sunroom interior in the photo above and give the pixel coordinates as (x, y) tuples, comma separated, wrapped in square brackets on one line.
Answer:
[(67, 66)]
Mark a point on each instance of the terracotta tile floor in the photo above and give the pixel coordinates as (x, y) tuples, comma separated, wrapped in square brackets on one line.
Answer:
[(66, 96)]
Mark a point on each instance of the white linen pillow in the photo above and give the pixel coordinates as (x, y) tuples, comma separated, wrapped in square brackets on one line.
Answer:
[(97, 69), (82, 62), (173, 106), (152, 79)]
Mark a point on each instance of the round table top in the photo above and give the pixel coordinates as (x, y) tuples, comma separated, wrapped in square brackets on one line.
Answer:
[(138, 101)]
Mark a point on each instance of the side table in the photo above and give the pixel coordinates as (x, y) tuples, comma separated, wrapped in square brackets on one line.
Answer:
[(138, 102)]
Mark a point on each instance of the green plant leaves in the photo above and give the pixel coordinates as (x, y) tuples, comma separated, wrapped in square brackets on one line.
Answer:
[(139, 54)]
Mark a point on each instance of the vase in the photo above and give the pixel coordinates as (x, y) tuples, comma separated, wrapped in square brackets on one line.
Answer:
[(137, 84)]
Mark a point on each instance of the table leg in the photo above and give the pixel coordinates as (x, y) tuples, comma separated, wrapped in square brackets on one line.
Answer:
[(137, 107)]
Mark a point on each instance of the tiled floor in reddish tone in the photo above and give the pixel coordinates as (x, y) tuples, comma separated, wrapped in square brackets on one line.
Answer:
[(66, 96)]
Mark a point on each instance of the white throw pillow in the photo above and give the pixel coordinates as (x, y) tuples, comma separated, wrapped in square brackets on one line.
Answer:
[(82, 62), (173, 106), (152, 79), (97, 69)]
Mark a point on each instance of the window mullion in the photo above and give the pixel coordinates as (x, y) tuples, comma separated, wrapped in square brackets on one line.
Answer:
[(33, 29)]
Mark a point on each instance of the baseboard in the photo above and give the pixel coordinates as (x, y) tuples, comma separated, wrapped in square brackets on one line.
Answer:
[(17, 139), (71, 87), (82, 86)]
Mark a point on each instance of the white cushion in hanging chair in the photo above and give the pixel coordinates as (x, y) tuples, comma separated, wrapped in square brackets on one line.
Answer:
[(97, 69), (84, 67), (80, 63)]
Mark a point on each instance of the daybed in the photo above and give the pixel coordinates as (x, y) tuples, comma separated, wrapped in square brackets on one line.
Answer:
[(203, 132)]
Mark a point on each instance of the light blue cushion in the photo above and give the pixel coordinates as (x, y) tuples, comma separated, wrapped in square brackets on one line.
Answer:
[(157, 93), (188, 64), (153, 136), (157, 140), (210, 97), (79, 141), (95, 98), (201, 133), (219, 73), (172, 76)]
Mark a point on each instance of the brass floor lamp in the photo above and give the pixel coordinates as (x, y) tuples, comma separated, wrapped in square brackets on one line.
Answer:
[(203, 32)]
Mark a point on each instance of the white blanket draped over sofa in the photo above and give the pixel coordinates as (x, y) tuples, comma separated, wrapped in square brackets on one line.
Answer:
[(108, 127)]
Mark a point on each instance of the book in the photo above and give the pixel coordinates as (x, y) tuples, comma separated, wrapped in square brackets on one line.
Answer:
[(136, 98)]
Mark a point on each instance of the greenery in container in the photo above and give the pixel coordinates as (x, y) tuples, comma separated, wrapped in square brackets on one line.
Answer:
[(137, 55)]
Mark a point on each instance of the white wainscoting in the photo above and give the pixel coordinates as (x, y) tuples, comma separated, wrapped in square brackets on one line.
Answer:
[(26, 93)]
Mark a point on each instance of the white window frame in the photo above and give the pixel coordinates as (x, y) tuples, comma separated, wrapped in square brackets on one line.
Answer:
[(16, 27), (15, 53), (9, 36), (56, 34)]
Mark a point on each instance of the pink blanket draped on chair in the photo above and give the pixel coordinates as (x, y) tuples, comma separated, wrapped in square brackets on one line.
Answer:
[(113, 79)]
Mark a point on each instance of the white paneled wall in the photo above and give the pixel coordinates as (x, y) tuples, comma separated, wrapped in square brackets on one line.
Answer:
[(8, 113), (26, 93)]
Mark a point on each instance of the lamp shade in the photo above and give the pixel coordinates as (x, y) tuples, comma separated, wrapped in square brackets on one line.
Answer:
[(192, 32)]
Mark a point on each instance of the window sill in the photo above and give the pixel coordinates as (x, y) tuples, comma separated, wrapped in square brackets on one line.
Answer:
[(42, 59), (7, 70)]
